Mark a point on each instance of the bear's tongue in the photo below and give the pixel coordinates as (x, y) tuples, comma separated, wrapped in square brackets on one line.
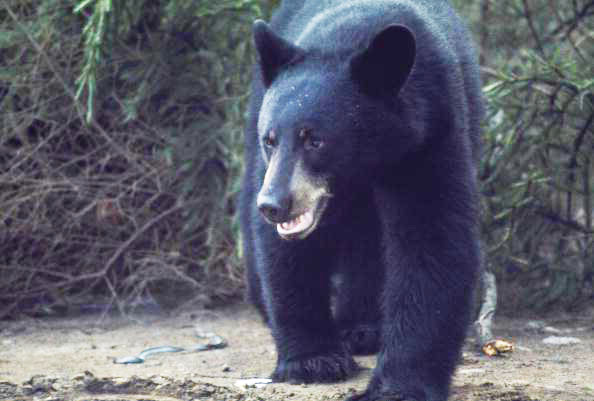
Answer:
[(297, 225)]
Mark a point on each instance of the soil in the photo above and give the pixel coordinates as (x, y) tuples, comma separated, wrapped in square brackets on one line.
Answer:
[(73, 359)]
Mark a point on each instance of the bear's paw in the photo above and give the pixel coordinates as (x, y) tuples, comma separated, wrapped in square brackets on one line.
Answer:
[(325, 368), (380, 396), (363, 339)]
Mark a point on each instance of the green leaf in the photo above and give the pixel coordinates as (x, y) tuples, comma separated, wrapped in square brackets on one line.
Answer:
[(82, 5)]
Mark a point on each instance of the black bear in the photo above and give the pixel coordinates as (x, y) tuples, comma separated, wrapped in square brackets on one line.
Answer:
[(359, 199)]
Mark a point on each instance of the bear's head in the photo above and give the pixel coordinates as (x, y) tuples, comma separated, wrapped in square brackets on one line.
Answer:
[(329, 121)]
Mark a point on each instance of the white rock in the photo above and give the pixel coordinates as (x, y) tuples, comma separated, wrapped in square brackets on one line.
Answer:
[(555, 340), (470, 371), (252, 383), (536, 325)]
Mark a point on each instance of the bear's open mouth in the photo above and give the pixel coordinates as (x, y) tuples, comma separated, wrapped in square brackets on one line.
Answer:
[(302, 225), (297, 225)]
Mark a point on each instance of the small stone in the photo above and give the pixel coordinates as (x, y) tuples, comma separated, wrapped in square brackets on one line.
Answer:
[(555, 340), (252, 383), (535, 325)]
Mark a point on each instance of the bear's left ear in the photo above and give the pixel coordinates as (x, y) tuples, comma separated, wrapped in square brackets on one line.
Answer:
[(274, 51), (382, 69)]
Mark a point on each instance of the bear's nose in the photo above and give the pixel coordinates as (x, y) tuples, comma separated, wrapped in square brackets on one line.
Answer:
[(274, 209)]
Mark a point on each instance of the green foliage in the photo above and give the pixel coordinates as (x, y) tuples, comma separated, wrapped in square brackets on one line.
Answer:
[(539, 141), (120, 150), (109, 20)]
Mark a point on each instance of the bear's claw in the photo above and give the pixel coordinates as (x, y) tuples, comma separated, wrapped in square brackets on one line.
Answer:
[(326, 368), (379, 396)]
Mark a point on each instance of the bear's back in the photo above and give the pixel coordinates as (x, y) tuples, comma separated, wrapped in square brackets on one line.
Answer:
[(330, 25)]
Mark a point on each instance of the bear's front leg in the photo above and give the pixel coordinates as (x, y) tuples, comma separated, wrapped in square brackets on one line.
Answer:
[(431, 259), (296, 280)]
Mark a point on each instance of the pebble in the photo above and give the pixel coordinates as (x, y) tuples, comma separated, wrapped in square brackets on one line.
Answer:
[(252, 383), (555, 340)]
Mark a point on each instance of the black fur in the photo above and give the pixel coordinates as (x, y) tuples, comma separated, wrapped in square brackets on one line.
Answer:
[(392, 89)]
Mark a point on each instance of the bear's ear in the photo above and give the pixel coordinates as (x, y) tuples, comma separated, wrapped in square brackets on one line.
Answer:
[(274, 52), (382, 69)]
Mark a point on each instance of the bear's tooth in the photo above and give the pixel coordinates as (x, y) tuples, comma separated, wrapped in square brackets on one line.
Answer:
[(307, 218), (298, 224)]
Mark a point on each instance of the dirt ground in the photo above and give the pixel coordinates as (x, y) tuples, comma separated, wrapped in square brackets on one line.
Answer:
[(73, 359)]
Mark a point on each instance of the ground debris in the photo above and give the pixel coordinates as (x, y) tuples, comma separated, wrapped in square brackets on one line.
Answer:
[(556, 340), (252, 383), (39, 384), (490, 392), (87, 387), (497, 347), (70, 365), (8, 391), (214, 342)]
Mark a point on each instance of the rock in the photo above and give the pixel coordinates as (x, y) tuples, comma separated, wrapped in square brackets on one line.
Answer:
[(252, 383), (535, 325), (556, 340)]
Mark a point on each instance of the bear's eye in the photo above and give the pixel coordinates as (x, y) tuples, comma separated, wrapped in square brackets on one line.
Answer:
[(269, 141), (313, 143)]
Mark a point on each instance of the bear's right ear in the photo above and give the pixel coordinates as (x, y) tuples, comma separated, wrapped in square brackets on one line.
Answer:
[(382, 69), (274, 52)]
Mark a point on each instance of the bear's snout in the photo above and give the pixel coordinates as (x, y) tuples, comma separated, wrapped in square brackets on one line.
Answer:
[(275, 209)]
